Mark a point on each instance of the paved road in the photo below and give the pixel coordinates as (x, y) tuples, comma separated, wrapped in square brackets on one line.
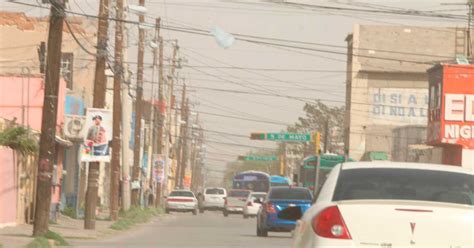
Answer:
[(210, 229)]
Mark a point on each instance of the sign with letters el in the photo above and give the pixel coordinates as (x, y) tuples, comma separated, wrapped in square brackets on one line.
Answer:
[(451, 106)]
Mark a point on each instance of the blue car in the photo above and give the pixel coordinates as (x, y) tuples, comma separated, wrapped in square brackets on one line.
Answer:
[(278, 199)]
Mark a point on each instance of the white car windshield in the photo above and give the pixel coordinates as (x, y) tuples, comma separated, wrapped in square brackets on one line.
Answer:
[(405, 184)]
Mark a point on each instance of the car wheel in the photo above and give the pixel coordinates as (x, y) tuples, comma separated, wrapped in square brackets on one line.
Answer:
[(201, 210), (225, 213), (264, 232), (195, 212), (167, 210)]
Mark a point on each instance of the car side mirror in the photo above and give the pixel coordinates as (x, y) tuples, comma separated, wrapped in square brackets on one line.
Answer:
[(291, 213)]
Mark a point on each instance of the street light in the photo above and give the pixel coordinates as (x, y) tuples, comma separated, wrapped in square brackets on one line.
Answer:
[(224, 39), (136, 9)]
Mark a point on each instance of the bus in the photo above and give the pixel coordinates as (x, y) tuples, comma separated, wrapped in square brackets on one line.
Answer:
[(256, 181), (279, 181), (308, 169)]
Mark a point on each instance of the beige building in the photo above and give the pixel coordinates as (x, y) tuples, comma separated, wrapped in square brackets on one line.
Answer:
[(21, 38), (387, 83)]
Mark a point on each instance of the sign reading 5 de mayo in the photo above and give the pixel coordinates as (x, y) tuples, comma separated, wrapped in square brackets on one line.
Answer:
[(458, 118)]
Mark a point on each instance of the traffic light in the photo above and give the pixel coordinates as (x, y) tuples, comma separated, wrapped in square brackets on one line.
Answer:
[(317, 143), (257, 136)]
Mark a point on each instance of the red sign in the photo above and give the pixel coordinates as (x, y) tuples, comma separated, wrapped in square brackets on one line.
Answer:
[(451, 105)]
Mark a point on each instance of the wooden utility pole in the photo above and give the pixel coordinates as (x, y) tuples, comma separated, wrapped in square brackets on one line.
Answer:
[(182, 134), (138, 109), (185, 146), (117, 115), (47, 150), (157, 122), (100, 84), (170, 101), (326, 135)]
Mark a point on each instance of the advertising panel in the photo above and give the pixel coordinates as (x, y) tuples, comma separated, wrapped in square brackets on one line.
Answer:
[(451, 113), (398, 106), (98, 136)]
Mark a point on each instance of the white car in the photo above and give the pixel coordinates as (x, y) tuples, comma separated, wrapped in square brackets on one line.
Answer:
[(372, 204), (181, 201), (213, 198), (251, 207)]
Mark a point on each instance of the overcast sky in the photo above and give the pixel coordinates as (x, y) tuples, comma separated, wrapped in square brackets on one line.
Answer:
[(266, 19)]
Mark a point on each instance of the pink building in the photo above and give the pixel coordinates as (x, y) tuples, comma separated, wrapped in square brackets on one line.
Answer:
[(21, 99)]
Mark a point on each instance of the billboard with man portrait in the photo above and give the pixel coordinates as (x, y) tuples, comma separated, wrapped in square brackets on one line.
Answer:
[(98, 135)]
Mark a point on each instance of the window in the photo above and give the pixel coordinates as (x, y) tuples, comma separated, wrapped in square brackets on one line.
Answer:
[(239, 193), (67, 69), (290, 194), (182, 193), (405, 184), (215, 191)]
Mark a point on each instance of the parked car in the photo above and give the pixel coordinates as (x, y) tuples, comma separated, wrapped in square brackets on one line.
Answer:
[(235, 201), (251, 205), (390, 205), (181, 201), (278, 199), (213, 198)]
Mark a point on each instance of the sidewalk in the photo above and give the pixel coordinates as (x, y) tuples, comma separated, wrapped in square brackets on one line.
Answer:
[(69, 228)]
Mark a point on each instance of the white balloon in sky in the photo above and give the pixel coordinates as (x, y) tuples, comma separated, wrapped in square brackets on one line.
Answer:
[(224, 39)]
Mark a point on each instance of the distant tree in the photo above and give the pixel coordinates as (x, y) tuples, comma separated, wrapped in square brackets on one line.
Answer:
[(270, 167), (316, 115)]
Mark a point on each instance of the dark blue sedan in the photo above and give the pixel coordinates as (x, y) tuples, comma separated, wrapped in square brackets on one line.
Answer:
[(278, 199)]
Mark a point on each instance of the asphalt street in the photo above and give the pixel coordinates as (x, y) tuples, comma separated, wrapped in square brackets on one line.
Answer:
[(210, 229)]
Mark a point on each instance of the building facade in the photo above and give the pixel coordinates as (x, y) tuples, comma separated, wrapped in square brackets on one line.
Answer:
[(387, 81)]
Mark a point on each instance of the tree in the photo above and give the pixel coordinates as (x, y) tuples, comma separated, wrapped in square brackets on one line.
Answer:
[(315, 119), (270, 167), (20, 140)]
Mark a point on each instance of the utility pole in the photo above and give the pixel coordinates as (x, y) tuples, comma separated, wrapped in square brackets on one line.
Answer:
[(170, 101), (47, 149), (317, 152), (185, 147), (156, 136), (117, 115), (100, 84), (326, 135), (182, 134), (138, 109)]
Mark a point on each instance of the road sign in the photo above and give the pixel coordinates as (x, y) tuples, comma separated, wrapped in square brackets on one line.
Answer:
[(301, 137), (258, 158)]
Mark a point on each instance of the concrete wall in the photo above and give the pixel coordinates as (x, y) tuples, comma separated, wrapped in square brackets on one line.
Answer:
[(389, 59), (14, 95), (8, 188), (405, 136)]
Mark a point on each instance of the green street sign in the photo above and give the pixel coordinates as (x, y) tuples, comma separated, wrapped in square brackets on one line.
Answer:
[(306, 137), (258, 158)]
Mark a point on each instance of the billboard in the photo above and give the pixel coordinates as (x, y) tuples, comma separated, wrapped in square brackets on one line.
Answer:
[(159, 168), (98, 135), (398, 106), (451, 106)]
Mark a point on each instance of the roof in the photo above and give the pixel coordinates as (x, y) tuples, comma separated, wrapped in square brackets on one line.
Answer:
[(417, 166), (23, 22)]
